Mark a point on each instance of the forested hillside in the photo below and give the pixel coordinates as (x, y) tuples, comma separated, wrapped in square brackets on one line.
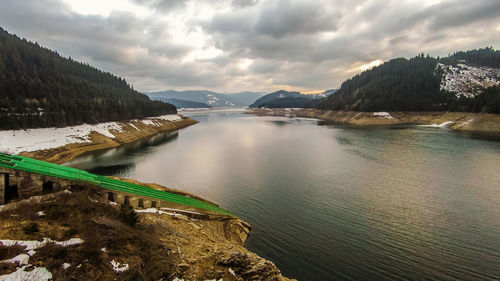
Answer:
[(464, 81), (39, 88), (290, 102)]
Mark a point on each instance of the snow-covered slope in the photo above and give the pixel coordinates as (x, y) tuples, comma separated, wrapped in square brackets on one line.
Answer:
[(16, 141), (467, 80)]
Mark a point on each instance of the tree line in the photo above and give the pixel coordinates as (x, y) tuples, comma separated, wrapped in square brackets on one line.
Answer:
[(414, 85), (40, 88)]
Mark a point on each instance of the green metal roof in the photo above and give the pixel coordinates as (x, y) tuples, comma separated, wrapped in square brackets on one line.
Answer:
[(49, 169)]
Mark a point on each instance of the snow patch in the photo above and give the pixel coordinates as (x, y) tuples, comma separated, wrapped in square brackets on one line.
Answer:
[(21, 259), (467, 80), (133, 126), (442, 125), (156, 211), (40, 213), (117, 267), (34, 244), (16, 141), (38, 274), (70, 242), (384, 115), (179, 210)]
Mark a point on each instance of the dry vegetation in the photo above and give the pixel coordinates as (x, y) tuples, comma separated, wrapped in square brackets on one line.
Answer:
[(159, 247)]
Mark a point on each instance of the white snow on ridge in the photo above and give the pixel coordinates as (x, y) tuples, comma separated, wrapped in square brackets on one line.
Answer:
[(16, 141), (384, 115), (38, 274), (117, 267), (34, 244), (155, 211), (466, 80), (21, 259)]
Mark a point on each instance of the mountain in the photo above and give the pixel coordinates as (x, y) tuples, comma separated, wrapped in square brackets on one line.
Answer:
[(245, 98), (275, 95), (208, 97), (465, 81), (40, 88), (284, 98), (183, 103), (290, 102)]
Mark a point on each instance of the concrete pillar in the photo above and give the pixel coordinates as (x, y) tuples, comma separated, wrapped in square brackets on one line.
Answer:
[(4, 184)]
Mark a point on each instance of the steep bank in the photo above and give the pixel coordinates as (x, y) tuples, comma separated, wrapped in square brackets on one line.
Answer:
[(463, 121), (79, 236), (167, 244), (58, 145)]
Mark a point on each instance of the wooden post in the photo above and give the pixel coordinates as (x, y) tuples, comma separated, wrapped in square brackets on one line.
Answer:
[(4, 184)]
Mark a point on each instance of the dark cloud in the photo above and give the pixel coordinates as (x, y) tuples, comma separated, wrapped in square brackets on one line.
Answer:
[(289, 18), (459, 13), (243, 3), (164, 6), (263, 44), (265, 66)]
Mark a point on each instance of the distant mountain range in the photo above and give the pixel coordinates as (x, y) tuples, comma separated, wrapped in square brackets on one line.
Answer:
[(290, 99), (207, 98), (183, 103)]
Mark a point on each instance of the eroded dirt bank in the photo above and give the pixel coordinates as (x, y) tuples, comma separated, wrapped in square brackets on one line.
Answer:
[(167, 244), (79, 236), (130, 131), (463, 121)]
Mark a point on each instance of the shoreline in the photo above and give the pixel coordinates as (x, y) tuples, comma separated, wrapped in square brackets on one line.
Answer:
[(226, 236), (60, 145), (460, 121)]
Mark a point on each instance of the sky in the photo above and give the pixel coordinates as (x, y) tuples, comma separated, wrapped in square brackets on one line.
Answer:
[(231, 46)]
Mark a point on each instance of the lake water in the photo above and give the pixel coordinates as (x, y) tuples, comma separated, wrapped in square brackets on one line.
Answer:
[(330, 202)]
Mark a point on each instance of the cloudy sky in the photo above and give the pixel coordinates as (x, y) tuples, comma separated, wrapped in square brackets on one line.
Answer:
[(258, 45)]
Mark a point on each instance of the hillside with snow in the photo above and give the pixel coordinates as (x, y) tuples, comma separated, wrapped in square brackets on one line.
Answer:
[(17, 141), (468, 80)]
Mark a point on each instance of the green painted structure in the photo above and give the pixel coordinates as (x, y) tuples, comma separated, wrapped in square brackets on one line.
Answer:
[(30, 165)]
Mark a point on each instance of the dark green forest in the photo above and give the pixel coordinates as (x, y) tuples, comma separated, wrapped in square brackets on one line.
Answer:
[(40, 88), (414, 85), (481, 57), (290, 102)]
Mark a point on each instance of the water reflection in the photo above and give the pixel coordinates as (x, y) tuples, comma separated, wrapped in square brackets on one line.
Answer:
[(338, 202), (110, 170), (120, 160)]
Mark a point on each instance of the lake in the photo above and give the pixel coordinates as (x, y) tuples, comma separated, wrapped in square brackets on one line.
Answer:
[(331, 202)]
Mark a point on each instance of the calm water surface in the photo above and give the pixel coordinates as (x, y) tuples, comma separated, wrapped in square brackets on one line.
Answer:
[(336, 203)]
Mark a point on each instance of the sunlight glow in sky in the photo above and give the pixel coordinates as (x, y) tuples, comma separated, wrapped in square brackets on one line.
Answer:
[(370, 65), (249, 45)]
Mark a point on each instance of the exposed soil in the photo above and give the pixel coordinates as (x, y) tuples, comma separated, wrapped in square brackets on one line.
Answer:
[(98, 141), (462, 121), (159, 247)]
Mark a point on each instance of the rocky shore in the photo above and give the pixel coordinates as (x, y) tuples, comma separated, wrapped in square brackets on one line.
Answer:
[(462, 121), (174, 244), (59, 145)]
